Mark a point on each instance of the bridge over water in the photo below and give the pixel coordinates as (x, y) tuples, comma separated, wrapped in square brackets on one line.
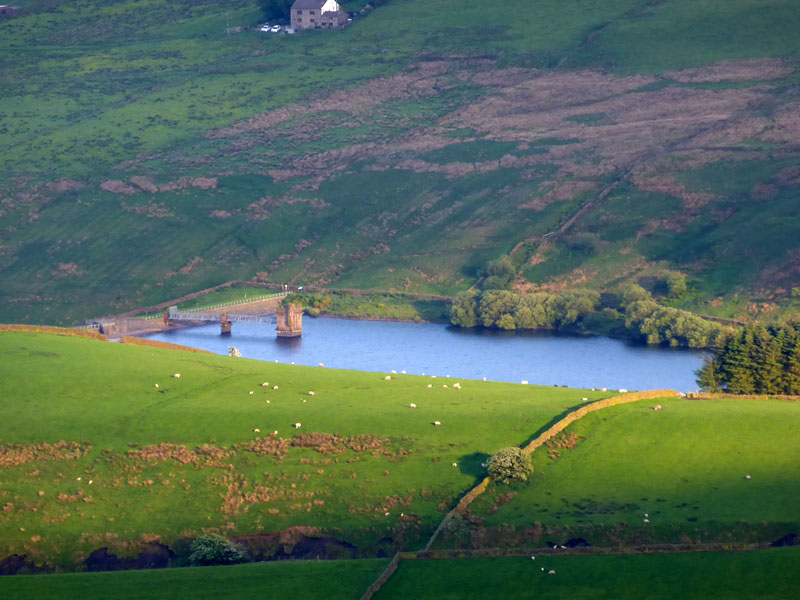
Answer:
[(287, 319)]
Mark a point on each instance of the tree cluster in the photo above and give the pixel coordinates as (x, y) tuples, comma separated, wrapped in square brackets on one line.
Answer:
[(276, 9), (757, 360), (507, 310), (214, 549)]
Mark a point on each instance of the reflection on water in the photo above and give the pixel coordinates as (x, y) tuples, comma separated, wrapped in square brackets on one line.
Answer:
[(545, 358)]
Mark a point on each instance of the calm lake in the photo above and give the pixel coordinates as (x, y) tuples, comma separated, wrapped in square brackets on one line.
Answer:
[(536, 357)]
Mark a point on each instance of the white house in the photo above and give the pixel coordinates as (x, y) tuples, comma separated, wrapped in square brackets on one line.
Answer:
[(317, 14)]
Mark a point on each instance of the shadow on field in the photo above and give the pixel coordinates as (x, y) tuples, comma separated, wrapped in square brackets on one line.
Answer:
[(470, 464), (555, 419)]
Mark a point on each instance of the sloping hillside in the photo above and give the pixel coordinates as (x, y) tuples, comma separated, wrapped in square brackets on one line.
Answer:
[(150, 150)]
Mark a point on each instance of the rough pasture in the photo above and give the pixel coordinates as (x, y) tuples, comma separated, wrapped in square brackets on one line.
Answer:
[(362, 468)]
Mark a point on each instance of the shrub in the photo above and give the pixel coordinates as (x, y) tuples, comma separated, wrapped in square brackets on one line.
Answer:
[(509, 465), (214, 549)]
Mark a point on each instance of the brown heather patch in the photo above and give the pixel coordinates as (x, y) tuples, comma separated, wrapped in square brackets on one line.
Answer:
[(756, 69), (63, 185), (18, 454), (117, 187), (203, 456)]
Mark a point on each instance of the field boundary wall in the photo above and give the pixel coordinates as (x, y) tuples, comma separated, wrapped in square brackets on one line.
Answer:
[(135, 341), (81, 333), (382, 578)]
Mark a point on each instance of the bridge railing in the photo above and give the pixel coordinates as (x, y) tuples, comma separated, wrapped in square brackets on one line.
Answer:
[(211, 307)]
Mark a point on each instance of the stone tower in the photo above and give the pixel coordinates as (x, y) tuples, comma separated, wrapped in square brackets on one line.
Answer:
[(290, 320)]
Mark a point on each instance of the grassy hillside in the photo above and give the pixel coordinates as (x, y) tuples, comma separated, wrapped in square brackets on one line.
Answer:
[(767, 574), (307, 580), (141, 464), (630, 475), (150, 150)]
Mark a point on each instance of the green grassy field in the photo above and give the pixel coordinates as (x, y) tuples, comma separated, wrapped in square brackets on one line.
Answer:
[(763, 574), (679, 475), (150, 152), (307, 580), (121, 488)]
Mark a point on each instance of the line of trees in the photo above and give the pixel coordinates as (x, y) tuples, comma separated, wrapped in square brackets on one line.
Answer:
[(757, 360), (633, 313)]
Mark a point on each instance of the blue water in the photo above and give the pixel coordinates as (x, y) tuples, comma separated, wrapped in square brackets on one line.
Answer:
[(536, 357)]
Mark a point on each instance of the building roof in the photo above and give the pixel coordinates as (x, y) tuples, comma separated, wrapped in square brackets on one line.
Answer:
[(307, 4)]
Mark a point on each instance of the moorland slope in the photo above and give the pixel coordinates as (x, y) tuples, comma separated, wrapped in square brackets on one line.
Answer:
[(151, 151)]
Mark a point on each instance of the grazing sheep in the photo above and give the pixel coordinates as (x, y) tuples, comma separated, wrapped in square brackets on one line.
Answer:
[(251, 392), (265, 384), (304, 400), (584, 399), (747, 477), (274, 433), (177, 376), (430, 385), (524, 382), (311, 394), (256, 430), (274, 387), (394, 372), (297, 425), (448, 376), (483, 465), (267, 401), (321, 365), (646, 515), (437, 424), (386, 514), (551, 572), (433, 376), (484, 378), (412, 405), (457, 386), (90, 481), (402, 372), (445, 386), (387, 378), (603, 390), (657, 407), (623, 391), (455, 464), (647, 520), (156, 386)]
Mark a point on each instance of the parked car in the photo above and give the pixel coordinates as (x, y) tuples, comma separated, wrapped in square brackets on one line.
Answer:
[(265, 27), (276, 29)]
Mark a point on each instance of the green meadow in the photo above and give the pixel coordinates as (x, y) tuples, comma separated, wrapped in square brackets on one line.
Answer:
[(631, 475), (167, 463)]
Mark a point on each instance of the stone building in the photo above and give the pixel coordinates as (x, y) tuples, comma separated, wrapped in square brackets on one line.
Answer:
[(317, 14)]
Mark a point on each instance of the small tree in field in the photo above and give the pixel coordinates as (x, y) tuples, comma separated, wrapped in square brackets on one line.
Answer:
[(214, 549), (509, 465)]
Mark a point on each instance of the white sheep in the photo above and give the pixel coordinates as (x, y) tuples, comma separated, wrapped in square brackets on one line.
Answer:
[(274, 387), (455, 464), (177, 376), (584, 399), (623, 391), (256, 430), (448, 376), (646, 515), (412, 405), (747, 477), (265, 384), (311, 394), (430, 385), (251, 392), (394, 372), (156, 386), (387, 378), (274, 433), (647, 520), (524, 382), (445, 386), (297, 425), (402, 372), (437, 424), (551, 572), (657, 407), (90, 482), (603, 390), (484, 378), (304, 400), (457, 386), (321, 365), (267, 401)]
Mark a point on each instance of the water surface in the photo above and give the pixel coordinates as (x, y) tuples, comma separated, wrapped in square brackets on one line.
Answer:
[(537, 357)]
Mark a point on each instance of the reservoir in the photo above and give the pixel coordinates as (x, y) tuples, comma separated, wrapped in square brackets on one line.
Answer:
[(541, 358)]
